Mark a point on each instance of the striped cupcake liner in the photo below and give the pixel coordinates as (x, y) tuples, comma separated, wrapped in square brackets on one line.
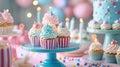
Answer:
[(63, 42), (6, 57), (35, 41), (110, 58), (6, 30), (48, 44)]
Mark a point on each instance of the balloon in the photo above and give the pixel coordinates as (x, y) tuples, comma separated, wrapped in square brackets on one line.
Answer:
[(44, 2), (61, 3), (68, 11), (83, 10), (59, 13), (24, 3)]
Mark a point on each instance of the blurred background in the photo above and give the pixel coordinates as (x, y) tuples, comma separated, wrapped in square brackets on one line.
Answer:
[(25, 11)]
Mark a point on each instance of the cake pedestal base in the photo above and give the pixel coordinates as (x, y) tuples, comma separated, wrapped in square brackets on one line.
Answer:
[(51, 61)]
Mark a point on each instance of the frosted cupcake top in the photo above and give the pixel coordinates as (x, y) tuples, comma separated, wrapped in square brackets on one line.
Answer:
[(116, 24), (105, 25), (112, 48), (7, 16), (35, 30), (50, 18), (95, 46), (93, 24), (118, 51), (47, 32), (1, 18), (62, 30)]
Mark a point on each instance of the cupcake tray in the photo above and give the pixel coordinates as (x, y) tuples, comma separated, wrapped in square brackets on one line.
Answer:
[(51, 60), (86, 59), (109, 35)]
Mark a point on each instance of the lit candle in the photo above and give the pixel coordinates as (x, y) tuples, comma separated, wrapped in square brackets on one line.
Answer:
[(38, 14), (81, 28), (67, 23), (50, 11), (72, 22)]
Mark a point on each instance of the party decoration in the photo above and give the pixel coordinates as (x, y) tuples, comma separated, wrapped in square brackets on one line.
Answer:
[(68, 11), (83, 10), (59, 13), (61, 3), (24, 3), (29, 15), (35, 2), (44, 2)]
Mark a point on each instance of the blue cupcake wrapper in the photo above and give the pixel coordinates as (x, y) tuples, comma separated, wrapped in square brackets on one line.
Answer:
[(118, 59), (110, 58), (96, 56)]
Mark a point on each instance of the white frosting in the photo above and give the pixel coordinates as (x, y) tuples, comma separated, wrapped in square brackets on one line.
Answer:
[(118, 51), (112, 48), (95, 46), (116, 26), (63, 31), (93, 25), (105, 26)]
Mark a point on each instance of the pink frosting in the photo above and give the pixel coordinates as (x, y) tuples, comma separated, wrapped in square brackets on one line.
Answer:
[(37, 25), (47, 19), (7, 16), (1, 18)]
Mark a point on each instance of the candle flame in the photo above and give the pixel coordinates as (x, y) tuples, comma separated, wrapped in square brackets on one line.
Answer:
[(7, 10), (81, 20), (38, 8), (67, 19), (94, 37), (50, 8)]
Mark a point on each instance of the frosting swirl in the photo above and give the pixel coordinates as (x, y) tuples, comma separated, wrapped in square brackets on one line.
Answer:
[(35, 30), (93, 24), (63, 31), (105, 26), (95, 46), (112, 48), (7, 16), (50, 19), (116, 25), (1, 18), (48, 32)]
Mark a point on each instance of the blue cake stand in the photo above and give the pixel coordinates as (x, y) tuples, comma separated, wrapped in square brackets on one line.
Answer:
[(51, 60), (109, 35)]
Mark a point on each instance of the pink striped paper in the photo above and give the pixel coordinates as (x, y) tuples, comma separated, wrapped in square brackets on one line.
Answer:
[(63, 42), (35, 41), (5, 57), (48, 44)]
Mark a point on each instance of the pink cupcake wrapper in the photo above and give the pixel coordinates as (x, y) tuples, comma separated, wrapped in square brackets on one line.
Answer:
[(35, 41), (63, 42), (48, 44)]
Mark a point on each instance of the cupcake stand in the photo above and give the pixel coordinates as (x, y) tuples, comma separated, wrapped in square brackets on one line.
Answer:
[(51, 60), (109, 35)]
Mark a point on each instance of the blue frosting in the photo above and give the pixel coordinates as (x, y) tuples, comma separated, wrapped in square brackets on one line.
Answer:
[(106, 10), (34, 32), (48, 32)]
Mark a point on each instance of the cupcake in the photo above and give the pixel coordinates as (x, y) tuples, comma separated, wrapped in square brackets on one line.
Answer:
[(34, 33), (6, 23), (95, 51), (48, 38), (105, 26), (111, 51), (51, 19), (118, 56), (93, 24), (116, 25), (63, 36)]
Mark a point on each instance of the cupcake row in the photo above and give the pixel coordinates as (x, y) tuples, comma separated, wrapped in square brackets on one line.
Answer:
[(49, 34), (111, 53), (104, 26)]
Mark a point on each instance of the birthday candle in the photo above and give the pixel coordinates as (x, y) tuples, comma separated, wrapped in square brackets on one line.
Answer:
[(81, 28), (67, 23), (50, 11), (72, 22), (39, 14)]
